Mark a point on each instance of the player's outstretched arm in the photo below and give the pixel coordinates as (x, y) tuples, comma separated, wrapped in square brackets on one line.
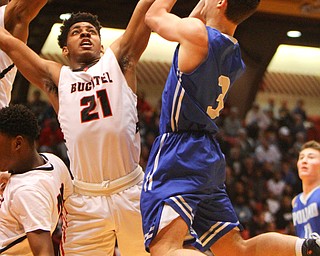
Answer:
[(129, 47), (42, 73), (19, 14), (136, 36), (189, 32)]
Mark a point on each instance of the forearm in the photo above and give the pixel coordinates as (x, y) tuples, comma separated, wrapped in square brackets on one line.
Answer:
[(161, 6), (136, 36), (196, 12), (19, 14), (23, 11), (161, 21), (32, 67)]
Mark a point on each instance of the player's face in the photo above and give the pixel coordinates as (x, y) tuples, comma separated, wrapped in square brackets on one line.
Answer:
[(6, 144), (83, 41), (309, 163)]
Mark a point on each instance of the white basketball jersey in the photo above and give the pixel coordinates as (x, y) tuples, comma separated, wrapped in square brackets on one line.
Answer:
[(7, 81), (32, 201), (98, 117)]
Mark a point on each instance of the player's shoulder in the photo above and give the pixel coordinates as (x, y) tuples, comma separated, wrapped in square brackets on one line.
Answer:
[(52, 158), (294, 201), (56, 162)]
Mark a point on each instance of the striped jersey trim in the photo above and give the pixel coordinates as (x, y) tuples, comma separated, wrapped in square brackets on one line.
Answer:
[(149, 178), (176, 104)]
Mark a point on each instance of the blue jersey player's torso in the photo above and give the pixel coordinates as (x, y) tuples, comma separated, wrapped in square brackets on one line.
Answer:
[(306, 214), (190, 102)]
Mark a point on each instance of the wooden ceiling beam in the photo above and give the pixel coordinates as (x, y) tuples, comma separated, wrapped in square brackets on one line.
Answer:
[(299, 8)]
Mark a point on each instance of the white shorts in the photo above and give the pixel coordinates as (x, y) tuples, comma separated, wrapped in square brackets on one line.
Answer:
[(93, 224)]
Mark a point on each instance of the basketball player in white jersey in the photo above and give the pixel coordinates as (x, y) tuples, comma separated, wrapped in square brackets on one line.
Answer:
[(95, 98), (39, 183)]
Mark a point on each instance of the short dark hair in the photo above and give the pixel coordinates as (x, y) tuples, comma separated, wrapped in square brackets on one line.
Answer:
[(239, 10), (19, 120), (75, 18)]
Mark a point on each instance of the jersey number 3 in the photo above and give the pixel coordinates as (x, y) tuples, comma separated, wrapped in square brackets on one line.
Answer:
[(89, 113), (224, 83)]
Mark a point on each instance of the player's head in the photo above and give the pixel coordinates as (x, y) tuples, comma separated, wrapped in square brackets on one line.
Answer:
[(18, 120), (309, 160), (75, 18), (239, 10)]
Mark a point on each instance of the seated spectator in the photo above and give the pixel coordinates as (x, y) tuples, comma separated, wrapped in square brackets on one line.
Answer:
[(283, 217), (299, 109), (267, 152), (38, 106), (242, 209), (232, 123), (276, 184), (256, 117)]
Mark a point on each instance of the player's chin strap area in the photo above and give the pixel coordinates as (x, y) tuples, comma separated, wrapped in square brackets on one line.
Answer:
[(109, 187), (5, 71)]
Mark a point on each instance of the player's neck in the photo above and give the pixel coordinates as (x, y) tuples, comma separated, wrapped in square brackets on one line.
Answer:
[(83, 66), (225, 26), (309, 187), (30, 162)]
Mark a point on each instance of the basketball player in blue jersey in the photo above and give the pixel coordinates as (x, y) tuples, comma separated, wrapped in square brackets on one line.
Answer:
[(39, 183), (184, 200), (95, 99), (306, 205)]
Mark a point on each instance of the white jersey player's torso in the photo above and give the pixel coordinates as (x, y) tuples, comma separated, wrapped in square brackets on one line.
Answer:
[(98, 116), (7, 81), (31, 202)]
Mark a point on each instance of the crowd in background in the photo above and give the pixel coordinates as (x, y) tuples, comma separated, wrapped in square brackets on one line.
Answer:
[(261, 151)]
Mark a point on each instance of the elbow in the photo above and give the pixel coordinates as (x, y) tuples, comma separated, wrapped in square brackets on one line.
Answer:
[(151, 21), (148, 19)]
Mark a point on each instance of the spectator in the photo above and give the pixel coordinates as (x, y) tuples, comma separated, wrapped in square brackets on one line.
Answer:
[(299, 109), (232, 123), (266, 152), (283, 217), (256, 117), (276, 184), (38, 106), (51, 139)]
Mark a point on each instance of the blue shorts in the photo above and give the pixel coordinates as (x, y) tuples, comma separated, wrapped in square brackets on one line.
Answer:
[(187, 172)]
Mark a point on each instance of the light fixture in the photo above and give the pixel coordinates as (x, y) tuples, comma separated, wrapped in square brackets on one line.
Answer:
[(65, 16), (294, 33)]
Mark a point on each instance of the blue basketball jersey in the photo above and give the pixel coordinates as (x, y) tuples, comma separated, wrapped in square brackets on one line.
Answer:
[(306, 214), (186, 168), (191, 102)]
